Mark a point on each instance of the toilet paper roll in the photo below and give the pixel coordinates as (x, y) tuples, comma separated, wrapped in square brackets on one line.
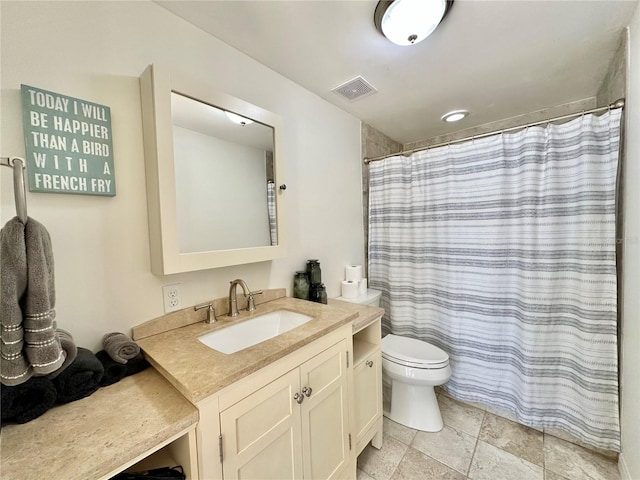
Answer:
[(362, 287), (353, 273), (350, 289)]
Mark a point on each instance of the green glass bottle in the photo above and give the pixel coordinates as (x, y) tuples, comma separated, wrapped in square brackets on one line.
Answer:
[(301, 285), (314, 272)]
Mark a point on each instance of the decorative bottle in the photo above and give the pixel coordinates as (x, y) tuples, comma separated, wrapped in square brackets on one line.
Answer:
[(301, 285), (322, 294), (318, 293), (314, 272), (313, 292)]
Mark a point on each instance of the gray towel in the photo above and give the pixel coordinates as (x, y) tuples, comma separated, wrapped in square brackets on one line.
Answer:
[(120, 347), (14, 367), (70, 349), (42, 346)]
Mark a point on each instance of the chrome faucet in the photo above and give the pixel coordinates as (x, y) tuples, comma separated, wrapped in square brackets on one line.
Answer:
[(233, 299)]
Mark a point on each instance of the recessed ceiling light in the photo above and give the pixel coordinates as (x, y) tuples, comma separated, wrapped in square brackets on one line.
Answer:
[(235, 118), (454, 116)]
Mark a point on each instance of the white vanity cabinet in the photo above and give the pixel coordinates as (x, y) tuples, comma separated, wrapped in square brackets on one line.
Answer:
[(367, 379), (290, 420)]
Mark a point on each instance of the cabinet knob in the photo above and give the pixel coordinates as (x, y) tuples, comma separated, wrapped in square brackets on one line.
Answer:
[(369, 363), (298, 398), (307, 391)]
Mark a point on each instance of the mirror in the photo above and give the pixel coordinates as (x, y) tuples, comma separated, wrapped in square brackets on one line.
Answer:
[(212, 168), (236, 153)]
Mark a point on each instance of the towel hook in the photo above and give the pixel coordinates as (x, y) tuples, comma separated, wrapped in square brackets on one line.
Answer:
[(19, 190)]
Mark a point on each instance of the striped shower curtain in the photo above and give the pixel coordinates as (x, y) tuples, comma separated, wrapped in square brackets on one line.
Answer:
[(271, 211), (502, 252)]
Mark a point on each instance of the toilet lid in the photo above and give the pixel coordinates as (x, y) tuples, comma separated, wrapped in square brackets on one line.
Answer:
[(413, 352)]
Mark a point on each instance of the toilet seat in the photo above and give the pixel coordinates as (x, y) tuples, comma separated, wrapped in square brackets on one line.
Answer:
[(414, 353), (419, 366)]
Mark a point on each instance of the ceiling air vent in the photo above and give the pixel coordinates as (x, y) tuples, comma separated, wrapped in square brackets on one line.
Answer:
[(354, 89)]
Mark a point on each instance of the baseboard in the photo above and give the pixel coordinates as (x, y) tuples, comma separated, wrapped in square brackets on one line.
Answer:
[(624, 470)]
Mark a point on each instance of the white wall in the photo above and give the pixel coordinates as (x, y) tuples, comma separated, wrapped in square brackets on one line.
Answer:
[(212, 173), (96, 51), (630, 458)]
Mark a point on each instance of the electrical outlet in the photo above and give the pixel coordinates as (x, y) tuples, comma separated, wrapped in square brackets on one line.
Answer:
[(172, 298)]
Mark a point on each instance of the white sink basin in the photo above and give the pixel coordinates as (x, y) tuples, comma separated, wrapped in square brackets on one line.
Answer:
[(250, 332)]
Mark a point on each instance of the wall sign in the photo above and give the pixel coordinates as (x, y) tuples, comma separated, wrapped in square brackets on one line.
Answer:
[(68, 144)]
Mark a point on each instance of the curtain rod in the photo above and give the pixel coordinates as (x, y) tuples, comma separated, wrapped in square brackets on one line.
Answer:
[(617, 104)]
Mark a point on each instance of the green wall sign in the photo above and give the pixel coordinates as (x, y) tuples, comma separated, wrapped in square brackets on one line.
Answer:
[(68, 144)]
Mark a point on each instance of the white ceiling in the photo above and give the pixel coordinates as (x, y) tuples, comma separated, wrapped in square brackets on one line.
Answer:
[(212, 121), (497, 59)]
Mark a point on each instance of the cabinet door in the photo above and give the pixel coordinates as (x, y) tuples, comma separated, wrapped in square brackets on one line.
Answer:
[(367, 379), (261, 433), (325, 426)]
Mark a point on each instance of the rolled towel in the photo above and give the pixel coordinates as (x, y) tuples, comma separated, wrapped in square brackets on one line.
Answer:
[(80, 379), (27, 401), (136, 364), (120, 347), (114, 371), (69, 346)]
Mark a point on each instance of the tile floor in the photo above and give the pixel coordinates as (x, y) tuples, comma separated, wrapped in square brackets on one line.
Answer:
[(478, 445)]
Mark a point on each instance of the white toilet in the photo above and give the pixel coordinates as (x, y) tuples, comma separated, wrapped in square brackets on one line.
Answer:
[(413, 368)]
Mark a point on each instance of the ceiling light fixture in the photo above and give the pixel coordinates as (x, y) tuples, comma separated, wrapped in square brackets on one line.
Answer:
[(407, 22), (235, 118), (454, 116)]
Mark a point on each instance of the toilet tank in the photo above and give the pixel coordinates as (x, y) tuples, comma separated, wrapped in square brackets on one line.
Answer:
[(372, 298)]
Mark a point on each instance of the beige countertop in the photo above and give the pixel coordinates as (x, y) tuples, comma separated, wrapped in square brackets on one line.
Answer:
[(366, 314), (198, 371), (92, 437)]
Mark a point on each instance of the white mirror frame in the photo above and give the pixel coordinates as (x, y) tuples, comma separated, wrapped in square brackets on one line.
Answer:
[(156, 85)]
